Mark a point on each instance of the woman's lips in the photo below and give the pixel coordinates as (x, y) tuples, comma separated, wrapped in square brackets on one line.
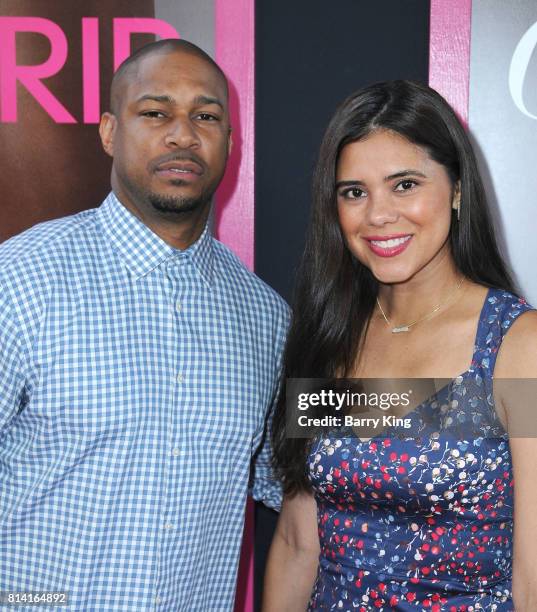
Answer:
[(388, 246)]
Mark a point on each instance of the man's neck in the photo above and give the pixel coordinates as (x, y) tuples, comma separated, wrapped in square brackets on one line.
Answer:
[(179, 230), (178, 234)]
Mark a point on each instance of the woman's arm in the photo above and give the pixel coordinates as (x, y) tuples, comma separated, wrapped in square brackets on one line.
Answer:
[(518, 360), (293, 557)]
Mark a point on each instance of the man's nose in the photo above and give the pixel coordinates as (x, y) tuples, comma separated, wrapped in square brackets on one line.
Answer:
[(182, 134), (381, 210)]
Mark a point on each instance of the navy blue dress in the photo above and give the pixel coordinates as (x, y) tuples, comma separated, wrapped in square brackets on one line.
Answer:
[(423, 522)]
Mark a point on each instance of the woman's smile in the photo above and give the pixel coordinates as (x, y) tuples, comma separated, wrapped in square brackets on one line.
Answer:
[(388, 246)]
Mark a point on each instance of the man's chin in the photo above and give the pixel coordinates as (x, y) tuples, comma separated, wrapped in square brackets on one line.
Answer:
[(176, 204)]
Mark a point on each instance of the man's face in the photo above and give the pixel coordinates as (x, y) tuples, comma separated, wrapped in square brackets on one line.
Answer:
[(170, 137)]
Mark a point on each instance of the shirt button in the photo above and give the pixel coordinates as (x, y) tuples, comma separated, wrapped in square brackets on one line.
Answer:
[(178, 306), (169, 526), (180, 378), (158, 600), (176, 452)]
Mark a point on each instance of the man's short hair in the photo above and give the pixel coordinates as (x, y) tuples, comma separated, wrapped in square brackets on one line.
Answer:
[(160, 46)]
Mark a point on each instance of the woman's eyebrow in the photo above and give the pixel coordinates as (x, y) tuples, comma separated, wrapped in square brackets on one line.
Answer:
[(390, 177), (348, 183), (403, 173)]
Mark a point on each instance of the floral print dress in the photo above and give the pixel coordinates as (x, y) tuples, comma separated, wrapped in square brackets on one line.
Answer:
[(423, 522)]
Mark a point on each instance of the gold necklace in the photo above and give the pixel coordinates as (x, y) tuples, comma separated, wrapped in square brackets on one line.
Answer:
[(405, 328)]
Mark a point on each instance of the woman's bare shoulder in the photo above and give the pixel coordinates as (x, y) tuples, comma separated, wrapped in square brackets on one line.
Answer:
[(517, 357)]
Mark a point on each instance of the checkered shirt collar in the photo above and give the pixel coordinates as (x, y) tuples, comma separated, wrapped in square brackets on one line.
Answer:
[(142, 250)]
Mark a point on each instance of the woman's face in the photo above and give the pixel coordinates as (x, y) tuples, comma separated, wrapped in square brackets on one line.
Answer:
[(395, 206)]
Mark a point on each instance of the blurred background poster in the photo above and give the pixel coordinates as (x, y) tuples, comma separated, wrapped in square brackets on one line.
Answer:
[(503, 123)]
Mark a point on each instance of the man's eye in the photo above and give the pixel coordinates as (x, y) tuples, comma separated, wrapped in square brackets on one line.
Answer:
[(352, 193), (153, 114), (405, 185), (207, 117)]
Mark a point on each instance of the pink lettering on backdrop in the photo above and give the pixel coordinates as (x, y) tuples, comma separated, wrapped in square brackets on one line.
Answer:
[(125, 26), (30, 76), (90, 70)]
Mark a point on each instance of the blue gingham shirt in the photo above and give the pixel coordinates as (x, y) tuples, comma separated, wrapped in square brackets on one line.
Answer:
[(135, 385)]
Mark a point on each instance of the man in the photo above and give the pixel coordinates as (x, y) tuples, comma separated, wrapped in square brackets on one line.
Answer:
[(138, 363)]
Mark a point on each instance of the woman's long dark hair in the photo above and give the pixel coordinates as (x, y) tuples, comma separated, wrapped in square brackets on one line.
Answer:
[(335, 294)]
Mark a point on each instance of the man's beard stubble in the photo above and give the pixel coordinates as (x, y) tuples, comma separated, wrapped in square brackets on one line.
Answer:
[(177, 205), (180, 204), (169, 205)]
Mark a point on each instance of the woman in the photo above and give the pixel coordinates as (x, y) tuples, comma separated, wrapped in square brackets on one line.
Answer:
[(402, 278)]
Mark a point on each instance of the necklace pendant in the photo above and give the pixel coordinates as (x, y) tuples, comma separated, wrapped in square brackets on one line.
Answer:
[(401, 328)]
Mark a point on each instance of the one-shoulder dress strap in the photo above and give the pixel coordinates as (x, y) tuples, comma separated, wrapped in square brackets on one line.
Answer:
[(500, 311)]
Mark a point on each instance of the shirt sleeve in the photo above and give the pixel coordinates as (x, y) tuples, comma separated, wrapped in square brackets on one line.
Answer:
[(264, 486), (12, 380)]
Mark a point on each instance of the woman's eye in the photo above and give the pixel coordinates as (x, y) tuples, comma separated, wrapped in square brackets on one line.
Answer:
[(405, 185), (352, 193)]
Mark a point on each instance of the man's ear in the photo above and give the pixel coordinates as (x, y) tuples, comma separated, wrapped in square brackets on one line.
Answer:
[(107, 130)]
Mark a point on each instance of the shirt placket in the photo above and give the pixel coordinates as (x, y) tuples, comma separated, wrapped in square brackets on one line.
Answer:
[(176, 464)]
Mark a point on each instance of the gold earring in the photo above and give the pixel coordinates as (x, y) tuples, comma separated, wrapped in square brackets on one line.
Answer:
[(457, 206)]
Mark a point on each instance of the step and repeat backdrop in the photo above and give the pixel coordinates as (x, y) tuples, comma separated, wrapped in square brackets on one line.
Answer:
[(289, 65), (503, 122)]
